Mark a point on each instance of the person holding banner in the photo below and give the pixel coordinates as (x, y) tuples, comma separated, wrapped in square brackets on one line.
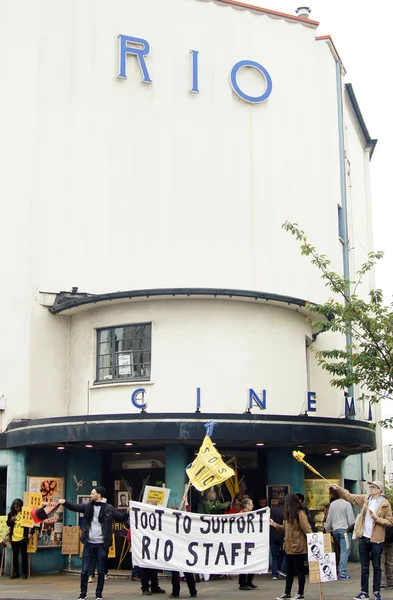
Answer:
[(189, 577), (295, 527), (211, 506), (245, 580)]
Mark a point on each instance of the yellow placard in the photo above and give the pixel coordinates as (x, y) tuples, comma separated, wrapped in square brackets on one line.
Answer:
[(156, 497), (112, 549), (3, 527), (32, 543), (26, 521), (32, 500), (70, 540), (233, 482), (81, 546), (208, 468)]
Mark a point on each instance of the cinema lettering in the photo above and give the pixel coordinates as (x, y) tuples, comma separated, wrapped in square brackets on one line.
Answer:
[(139, 49)]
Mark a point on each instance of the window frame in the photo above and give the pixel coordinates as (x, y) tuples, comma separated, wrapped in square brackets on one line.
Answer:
[(118, 380)]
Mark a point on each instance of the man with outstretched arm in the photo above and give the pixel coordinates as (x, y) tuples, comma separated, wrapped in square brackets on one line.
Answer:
[(375, 515), (96, 535)]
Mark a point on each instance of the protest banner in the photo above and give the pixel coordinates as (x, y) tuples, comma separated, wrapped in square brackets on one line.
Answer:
[(173, 540), (70, 541), (208, 468), (156, 495)]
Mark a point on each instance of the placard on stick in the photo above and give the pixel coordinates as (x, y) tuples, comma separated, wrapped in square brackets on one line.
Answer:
[(157, 496), (70, 542), (32, 543)]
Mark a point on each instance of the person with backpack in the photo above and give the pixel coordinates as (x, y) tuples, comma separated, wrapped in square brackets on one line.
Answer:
[(295, 527)]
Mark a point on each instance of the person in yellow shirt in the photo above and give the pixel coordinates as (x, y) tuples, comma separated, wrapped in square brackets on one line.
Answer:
[(19, 538)]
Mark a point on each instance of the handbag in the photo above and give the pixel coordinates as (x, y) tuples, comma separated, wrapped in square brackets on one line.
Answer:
[(355, 536), (7, 539)]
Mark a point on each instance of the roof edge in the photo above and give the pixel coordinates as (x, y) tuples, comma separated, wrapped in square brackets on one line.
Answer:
[(266, 11), (370, 142), (333, 49), (67, 301)]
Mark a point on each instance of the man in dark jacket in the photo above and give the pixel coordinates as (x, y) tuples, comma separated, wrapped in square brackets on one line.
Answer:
[(277, 539), (96, 535)]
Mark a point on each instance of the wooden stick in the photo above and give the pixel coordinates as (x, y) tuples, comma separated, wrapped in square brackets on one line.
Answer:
[(184, 499), (2, 560), (321, 595)]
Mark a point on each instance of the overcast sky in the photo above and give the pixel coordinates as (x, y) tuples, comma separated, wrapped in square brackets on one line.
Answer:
[(361, 33)]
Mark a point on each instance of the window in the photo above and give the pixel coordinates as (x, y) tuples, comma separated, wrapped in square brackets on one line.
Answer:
[(124, 353)]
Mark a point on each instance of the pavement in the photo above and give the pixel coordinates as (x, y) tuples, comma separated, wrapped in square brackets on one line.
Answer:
[(66, 587)]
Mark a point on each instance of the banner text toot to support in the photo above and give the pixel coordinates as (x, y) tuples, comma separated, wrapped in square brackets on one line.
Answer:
[(173, 540)]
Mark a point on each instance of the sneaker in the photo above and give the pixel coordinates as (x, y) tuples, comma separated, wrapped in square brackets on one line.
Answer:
[(98, 597), (23, 576), (377, 596), (344, 577), (252, 586), (158, 591), (298, 597), (275, 578), (282, 574), (362, 596), (283, 596), (82, 596), (106, 576), (90, 580), (245, 588)]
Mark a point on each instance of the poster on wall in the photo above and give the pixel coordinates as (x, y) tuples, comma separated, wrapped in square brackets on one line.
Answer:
[(276, 492), (51, 490), (316, 498)]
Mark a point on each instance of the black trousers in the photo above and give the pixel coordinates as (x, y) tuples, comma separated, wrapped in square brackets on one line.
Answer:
[(98, 553), (295, 566), (22, 548), (149, 580), (245, 579), (189, 577)]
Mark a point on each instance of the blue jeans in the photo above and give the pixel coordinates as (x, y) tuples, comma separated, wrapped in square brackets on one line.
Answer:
[(339, 536), (278, 557), (370, 550), (98, 553)]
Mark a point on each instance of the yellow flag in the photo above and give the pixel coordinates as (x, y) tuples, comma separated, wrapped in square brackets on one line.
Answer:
[(208, 468)]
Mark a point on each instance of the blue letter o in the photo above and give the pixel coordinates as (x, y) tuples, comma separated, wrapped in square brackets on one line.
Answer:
[(253, 99)]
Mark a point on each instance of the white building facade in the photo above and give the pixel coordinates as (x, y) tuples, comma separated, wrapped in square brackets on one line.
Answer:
[(153, 151)]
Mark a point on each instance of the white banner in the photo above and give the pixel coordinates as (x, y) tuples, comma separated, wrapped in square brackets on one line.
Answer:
[(164, 538)]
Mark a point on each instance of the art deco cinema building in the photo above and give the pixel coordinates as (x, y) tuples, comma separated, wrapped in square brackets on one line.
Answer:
[(152, 151)]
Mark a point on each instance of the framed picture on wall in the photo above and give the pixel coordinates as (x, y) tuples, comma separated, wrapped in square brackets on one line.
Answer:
[(277, 491), (51, 490)]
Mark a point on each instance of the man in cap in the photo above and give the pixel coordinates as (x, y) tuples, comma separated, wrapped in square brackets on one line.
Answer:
[(340, 519), (375, 516), (96, 535)]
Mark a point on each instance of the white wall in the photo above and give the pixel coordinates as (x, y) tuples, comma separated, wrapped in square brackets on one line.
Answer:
[(134, 186), (223, 347)]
